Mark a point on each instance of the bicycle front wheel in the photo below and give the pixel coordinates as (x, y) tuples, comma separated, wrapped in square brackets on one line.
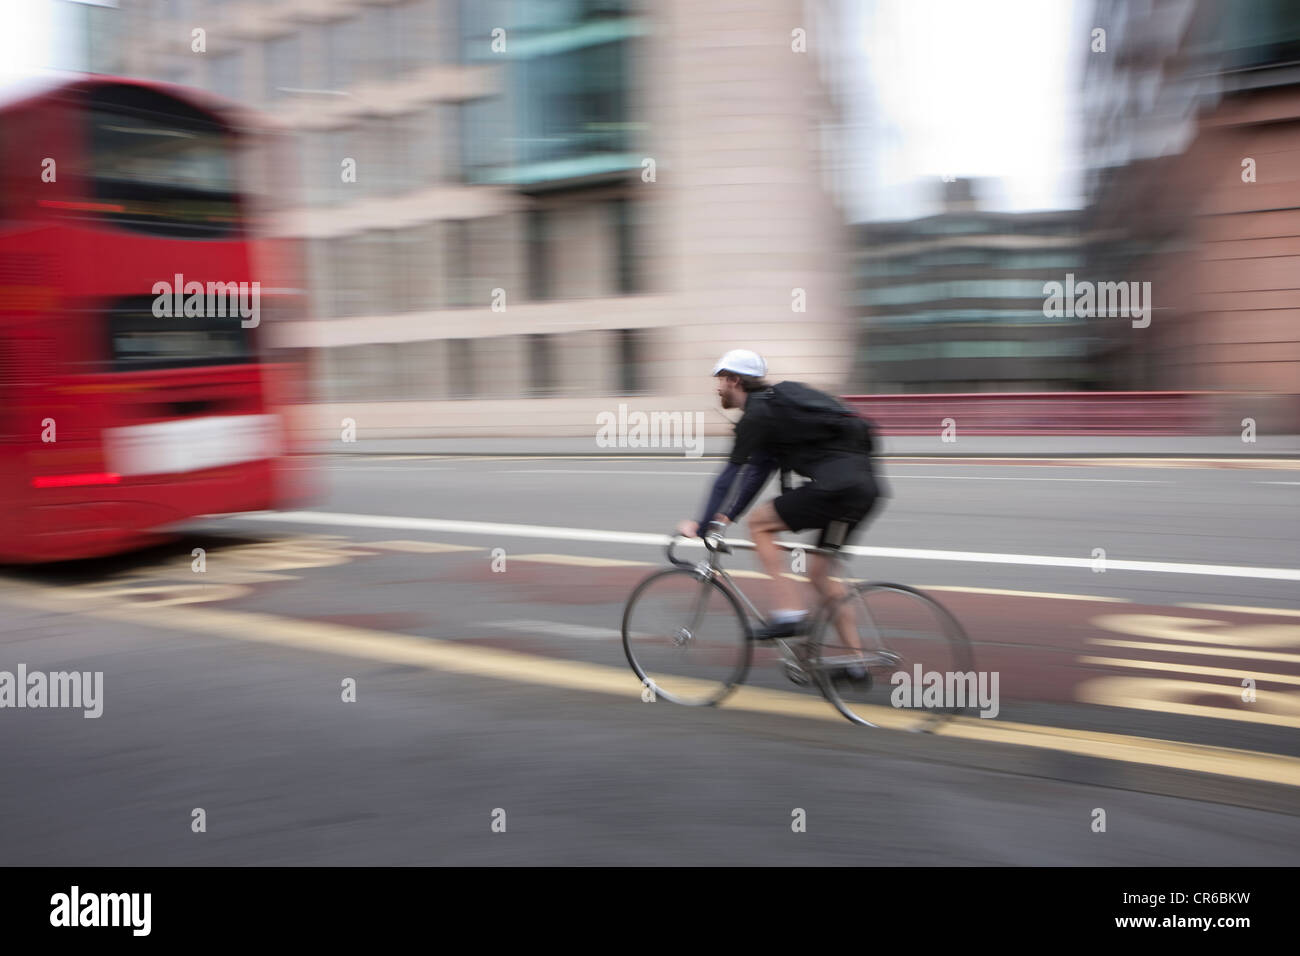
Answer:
[(886, 655), (686, 637)]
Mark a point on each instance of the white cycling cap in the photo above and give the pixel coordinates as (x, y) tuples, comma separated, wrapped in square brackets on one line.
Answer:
[(742, 362)]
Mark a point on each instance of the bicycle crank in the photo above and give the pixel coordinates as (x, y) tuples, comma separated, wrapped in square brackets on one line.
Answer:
[(797, 674)]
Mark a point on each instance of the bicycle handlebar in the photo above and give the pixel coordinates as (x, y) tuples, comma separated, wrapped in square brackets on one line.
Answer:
[(672, 559)]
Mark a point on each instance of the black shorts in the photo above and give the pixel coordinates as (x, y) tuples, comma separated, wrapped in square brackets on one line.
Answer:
[(835, 508)]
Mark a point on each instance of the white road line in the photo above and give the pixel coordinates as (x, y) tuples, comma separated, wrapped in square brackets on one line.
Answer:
[(1276, 482), (398, 468), (594, 471), (658, 540), (556, 629), (711, 474), (1121, 481)]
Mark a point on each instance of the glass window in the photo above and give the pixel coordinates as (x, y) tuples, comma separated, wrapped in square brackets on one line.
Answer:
[(352, 294), (404, 151), (461, 368), (344, 41), (484, 138), (573, 103), (541, 364), (421, 251), (539, 271), (225, 75), (631, 359), (322, 291), (343, 144), (447, 167), (476, 21), (158, 165), (413, 44), (283, 66), (457, 259), (627, 228), (400, 261), (375, 165)]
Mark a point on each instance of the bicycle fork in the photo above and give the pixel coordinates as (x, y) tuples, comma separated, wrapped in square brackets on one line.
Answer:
[(684, 635)]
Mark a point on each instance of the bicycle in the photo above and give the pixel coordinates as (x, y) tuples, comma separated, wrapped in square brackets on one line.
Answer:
[(669, 637)]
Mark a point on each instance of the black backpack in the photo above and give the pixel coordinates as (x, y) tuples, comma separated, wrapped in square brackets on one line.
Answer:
[(805, 418)]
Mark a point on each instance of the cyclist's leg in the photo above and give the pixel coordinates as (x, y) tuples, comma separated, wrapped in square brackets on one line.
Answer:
[(819, 571), (855, 508), (764, 525)]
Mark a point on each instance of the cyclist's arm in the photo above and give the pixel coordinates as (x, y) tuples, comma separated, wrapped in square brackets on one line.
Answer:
[(721, 491), (753, 477), (750, 462)]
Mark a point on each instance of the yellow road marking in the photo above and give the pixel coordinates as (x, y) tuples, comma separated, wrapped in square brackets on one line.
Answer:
[(1278, 708), (1240, 609), (443, 655), (1197, 649), (1191, 669), (421, 547), (1194, 630)]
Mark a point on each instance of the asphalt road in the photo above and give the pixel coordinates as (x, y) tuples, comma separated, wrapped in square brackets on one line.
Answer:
[(474, 605)]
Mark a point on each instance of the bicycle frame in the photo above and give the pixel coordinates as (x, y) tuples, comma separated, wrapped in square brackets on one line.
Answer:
[(712, 569)]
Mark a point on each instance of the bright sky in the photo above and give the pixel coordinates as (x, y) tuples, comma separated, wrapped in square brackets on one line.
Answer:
[(25, 41), (41, 36), (971, 88)]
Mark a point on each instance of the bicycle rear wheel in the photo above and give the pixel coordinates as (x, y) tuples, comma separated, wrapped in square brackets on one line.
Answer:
[(902, 639), (686, 637)]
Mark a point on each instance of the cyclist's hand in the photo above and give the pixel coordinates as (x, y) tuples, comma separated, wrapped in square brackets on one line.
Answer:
[(688, 529)]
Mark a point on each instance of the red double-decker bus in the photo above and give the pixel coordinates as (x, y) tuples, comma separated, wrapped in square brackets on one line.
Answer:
[(136, 287)]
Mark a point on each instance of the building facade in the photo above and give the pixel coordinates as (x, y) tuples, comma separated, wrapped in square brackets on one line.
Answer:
[(1193, 146), (954, 302), (521, 214)]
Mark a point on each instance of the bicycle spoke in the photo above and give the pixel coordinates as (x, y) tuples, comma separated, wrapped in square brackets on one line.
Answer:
[(685, 636), (870, 648)]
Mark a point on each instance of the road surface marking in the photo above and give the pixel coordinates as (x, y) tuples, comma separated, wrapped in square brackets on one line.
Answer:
[(593, 471), (1121, 481), (557, 629), (1197, 649), (451, 656), (421, 547), (1276, 708), (711, 474), (1179, 668), (368, 466), (1193, 630), (658, 540), (579, 560), (1030, 594), (1240, 609)]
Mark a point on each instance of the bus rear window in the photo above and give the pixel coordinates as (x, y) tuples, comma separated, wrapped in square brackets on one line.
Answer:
[(158, 165), (140, 341)]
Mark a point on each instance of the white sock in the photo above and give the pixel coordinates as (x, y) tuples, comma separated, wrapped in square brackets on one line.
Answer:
[(787, 616)]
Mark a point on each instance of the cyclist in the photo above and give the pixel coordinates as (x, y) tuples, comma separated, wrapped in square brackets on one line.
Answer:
[(794, 428)]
